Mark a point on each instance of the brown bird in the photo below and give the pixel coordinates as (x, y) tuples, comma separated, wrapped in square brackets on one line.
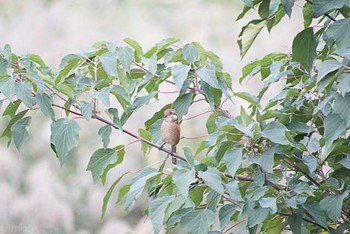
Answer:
[(170, 130)]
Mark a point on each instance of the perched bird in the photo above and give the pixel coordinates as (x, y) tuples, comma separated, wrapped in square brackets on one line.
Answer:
[(170, 130)]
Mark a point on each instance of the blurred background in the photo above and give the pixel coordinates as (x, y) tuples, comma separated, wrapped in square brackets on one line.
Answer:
[(37, 195)]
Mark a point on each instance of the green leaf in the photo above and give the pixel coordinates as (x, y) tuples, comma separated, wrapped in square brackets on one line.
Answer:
[(102, 158), (122, 192), (269, 202), (310, 162), (182, 103), (8, 87), (19, 132), (14, 119), (68, 64), (183, 179), (190, 53), (12, 108), (212, 178), (208, 75), (314, 209), (145, 135), (252, 99), (276, 132), (103, 96), (45, 103), (233, 190), (295, 223), (180, 74), (233, 160), (334, 127), (342, 107), (288, 5), (257, 216), (198, 221), (304, 48), (323, 6), (24, 91), (340, 32), (248, 34), (327, 67), (64, 136), (225, 214), (345, 162), (332, 205), (157, 209), (265, 160), (344, 83), (126, 56), (137, 186), (135, 45), (109, 193), (109, 63), (307, 14), (86, 110), (104, 132)]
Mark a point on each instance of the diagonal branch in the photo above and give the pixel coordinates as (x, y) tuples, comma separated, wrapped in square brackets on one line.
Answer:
[(94, 116)]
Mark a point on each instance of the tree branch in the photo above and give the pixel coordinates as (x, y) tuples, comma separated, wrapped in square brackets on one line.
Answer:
[(94, 116)]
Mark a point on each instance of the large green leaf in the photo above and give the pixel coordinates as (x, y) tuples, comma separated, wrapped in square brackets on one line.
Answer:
[(8, 87), (225, 214), (327, 67), (64, 136), (269, 202), (183, 179), (323, 6), (340, 32), (126, 56), (334, 127), (332, 205), (198, 221), (190, 53), (182, 103), (295, 223), (342, 107), (45, 103), (248, 35), (276, 132), (24, 91), (265, 160), (314, 209), (19, 132), (252, 99), (157, 209), (137, 186), (344, 83), (304, 48), (102, 158), (109, 63), (208, 75), (233, 160), (257, 216), (180, 74), (212, 178), (288, 5)]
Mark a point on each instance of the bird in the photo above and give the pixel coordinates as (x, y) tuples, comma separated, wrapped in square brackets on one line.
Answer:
[(170, 131)]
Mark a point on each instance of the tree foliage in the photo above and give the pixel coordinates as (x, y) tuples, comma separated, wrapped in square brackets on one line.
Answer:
[(283, 166)]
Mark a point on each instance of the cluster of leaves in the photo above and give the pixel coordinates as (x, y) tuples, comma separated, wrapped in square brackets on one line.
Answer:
[(282, 166)]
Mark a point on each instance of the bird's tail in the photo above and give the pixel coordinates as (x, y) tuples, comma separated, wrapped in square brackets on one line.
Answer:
[(173, 150)]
